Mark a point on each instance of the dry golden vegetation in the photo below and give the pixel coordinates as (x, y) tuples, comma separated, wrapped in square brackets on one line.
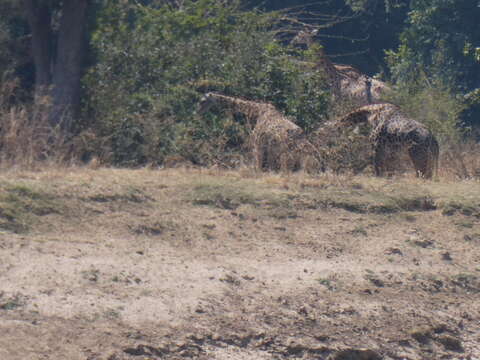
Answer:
[(27, 140), (69, 192), (211, 264)]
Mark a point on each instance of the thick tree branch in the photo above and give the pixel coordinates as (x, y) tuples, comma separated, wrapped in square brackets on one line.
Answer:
[(69, 61)]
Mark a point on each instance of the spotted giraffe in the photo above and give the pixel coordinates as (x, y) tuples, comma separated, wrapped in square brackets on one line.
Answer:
[(305, 39), (345, 82), (391, 132), (278, 143)]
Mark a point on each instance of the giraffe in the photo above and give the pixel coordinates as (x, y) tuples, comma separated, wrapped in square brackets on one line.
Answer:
[(305, 40), (391, 132), (278, 143), (345, 81)]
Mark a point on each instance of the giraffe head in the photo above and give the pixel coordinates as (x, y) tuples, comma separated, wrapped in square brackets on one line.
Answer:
[(207, 102), (305, 38)]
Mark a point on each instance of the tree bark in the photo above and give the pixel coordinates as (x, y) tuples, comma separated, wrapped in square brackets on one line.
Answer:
[(68, 65), (39, 19), (58, 71)]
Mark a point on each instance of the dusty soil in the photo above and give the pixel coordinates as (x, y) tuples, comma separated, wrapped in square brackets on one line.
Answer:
[(144, 264)]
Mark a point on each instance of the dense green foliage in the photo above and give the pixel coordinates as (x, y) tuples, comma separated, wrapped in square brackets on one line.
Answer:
[(14, 44), (439, 50), (439, 40), (154, 64)]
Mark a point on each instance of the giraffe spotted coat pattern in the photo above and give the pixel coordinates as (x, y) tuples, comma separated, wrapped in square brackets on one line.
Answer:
[(344, 81), (277, 142), (391, 132)]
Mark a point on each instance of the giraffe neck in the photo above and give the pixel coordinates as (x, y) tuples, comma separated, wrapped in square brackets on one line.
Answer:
[(357, 117), (368, 90), (327, 65), (381, 113), (251, 109)]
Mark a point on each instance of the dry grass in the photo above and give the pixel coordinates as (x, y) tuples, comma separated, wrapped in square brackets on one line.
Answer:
[(79, 194), (26, 138), (358, 194), (460, 161), (21, 204)]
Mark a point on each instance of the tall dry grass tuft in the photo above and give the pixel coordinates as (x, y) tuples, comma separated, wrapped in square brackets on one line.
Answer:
[(460, 160), (27, 140)]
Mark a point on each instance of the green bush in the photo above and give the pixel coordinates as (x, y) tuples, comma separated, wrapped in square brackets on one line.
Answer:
[(155, 63)]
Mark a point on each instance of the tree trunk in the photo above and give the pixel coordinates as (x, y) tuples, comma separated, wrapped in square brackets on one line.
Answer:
[(68, 65), (39, 19)]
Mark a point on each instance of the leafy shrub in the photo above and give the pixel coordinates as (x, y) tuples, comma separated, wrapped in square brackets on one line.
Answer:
[(154, 63), (344, 150)]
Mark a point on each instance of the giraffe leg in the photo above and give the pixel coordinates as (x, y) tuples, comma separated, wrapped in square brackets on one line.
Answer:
[(422, 160), (259, 156), (391, 158), (379, 160), (432, 157), (275, 157), (435, 152)]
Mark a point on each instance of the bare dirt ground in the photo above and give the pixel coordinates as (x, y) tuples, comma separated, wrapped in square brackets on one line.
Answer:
[(175, 264)]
